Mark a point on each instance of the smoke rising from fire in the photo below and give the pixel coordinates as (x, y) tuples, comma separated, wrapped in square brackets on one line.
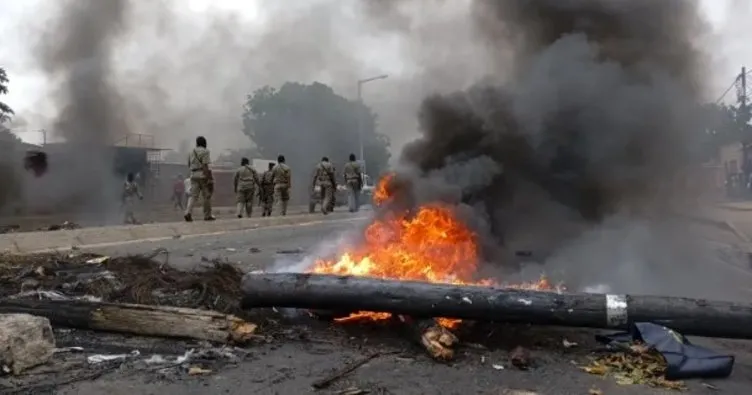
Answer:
[(588, 124), (77, 52)]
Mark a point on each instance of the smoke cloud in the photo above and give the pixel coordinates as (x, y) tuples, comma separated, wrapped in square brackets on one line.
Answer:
[(77, 52), (583, 125)]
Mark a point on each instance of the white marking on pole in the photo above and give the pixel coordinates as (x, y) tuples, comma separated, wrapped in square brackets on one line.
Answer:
[(616, 310)]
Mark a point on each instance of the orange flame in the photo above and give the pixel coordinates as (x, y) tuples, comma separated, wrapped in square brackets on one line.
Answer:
[(381, 192), (432, 246)]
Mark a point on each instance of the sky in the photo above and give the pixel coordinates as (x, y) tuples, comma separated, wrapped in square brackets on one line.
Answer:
[(29, 90)]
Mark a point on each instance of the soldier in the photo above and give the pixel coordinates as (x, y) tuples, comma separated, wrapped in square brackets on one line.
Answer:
[(130, 193), (282, 178), (324, 178), (354, 183), (245, 183), (202, 181), (266, 191)]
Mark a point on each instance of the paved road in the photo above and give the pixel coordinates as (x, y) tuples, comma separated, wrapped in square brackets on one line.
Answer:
[(252, 249), (291, 366), (146, 215)]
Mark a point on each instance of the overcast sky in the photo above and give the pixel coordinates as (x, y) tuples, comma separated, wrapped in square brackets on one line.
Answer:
[(28, 88)]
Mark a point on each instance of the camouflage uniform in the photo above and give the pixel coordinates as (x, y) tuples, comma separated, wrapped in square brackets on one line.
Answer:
[(324, 178), (131, 192), (354, 183), (246, 180), (266, 193), (281, 175), (202, 184)]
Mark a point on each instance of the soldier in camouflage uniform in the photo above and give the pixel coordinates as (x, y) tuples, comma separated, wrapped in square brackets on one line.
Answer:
[(354, 183), (202, 181), (266, 191), (323, 177), (245, 182), (130, 193), (282, 177)]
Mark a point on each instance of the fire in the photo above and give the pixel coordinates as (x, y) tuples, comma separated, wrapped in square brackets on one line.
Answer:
[(431, 245), (381, 192)]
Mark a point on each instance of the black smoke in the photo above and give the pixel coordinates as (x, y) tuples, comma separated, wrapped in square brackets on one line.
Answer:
[(592, 114), (77, 53)]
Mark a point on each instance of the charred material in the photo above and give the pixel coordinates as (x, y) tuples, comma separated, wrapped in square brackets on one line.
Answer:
[(438, 341), (425, 300)]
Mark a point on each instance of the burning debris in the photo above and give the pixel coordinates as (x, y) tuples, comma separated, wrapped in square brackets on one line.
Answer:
[(428, 244)]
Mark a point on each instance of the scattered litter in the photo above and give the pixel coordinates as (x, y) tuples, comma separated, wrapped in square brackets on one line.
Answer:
[(595, 391), (634, 367), (654, 355), (498, 367), (230, 249), (157, 359), (68, 349), (99, 358), (520, 358), (254, 250), (196, 370), (567, 344), (98, 261), (352, 391), (67, 225), (710, 386)]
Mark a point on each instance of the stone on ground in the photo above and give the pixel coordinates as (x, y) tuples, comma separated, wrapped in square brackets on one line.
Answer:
[(26, 341)]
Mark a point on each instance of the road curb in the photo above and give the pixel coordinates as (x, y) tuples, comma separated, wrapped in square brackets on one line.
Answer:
[(24, 242)]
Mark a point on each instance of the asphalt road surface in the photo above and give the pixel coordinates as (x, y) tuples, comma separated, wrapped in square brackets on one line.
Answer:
[(308, 354)]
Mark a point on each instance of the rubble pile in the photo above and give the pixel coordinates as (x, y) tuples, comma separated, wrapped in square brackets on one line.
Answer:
[(131, 279)]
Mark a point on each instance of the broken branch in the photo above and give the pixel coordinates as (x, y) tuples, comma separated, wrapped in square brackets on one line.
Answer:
[(162, 321), (327, 381)]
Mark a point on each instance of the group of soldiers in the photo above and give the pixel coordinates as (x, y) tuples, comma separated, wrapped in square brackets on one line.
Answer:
[(324, 179), (272, 186)]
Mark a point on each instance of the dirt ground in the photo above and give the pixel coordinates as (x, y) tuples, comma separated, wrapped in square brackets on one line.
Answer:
[(294, 356)]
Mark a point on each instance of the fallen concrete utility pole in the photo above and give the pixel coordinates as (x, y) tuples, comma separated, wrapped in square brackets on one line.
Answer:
[(136, 319), (418, 299)]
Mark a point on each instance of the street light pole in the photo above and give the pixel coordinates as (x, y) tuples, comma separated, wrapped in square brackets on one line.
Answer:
[(360, 115)]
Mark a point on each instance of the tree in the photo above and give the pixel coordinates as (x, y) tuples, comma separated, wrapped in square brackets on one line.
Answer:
[(724, 124), (5, 111), (306, 122)]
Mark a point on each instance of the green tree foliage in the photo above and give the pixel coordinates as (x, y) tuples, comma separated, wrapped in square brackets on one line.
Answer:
[(306, 122), (5, 111), (8, 144)]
